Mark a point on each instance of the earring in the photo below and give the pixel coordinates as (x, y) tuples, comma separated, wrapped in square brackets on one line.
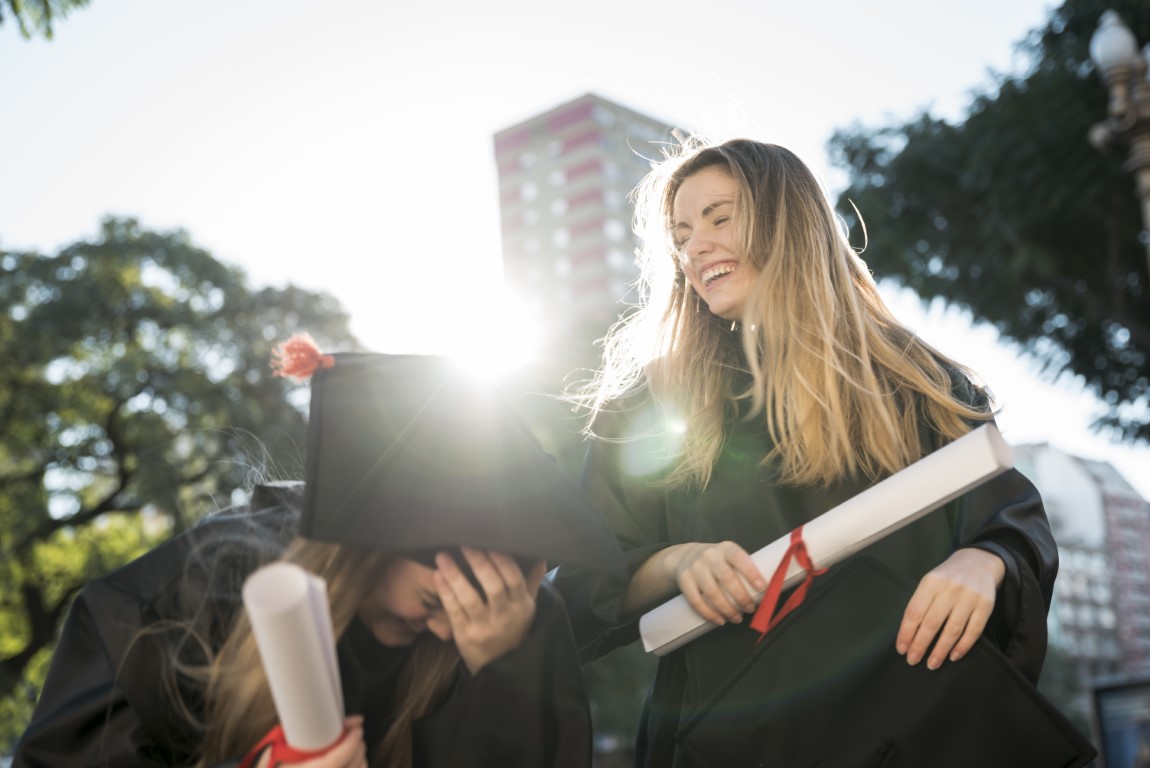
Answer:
[(698, 308)]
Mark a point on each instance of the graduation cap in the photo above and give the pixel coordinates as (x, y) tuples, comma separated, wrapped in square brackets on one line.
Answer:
[(408, 453)]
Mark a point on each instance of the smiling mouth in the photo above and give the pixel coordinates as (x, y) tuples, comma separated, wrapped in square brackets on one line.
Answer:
[(714, 273)]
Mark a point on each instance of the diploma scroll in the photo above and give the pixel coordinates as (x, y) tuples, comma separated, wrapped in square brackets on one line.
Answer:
[(838, 533), (291, 622)]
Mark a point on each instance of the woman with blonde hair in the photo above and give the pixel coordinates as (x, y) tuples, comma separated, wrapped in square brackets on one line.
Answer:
[(428, 510), (761, 382)]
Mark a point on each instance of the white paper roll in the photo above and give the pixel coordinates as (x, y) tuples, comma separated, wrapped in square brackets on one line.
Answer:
[(838, 533), (291, 622)]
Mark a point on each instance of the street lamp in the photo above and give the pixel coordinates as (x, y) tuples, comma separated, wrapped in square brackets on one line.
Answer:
[(1115, 52)]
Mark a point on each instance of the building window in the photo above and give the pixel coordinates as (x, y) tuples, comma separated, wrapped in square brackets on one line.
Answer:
[(527, 159), (602, 115), (529, 191), (557, 177), (530, 217), (561, 238), (614, 229), (558, 206), (618, 260), (562, 266)]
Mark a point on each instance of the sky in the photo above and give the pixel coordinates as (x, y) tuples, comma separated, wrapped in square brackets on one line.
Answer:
[(347, 147)]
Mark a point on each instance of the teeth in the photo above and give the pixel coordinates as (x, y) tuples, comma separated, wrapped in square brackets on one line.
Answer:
[(716, 272)]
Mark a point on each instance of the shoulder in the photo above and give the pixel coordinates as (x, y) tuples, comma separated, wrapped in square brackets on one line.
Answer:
[(233, 539)]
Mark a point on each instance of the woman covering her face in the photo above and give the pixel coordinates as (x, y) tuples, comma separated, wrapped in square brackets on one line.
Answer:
[(427, 509), (761, 383)]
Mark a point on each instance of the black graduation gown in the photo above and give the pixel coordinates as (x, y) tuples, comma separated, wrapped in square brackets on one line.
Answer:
[(102, 703), (796, 698)]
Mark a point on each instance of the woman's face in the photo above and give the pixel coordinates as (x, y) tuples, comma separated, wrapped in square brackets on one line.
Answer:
[(705, 235), (404, 605)]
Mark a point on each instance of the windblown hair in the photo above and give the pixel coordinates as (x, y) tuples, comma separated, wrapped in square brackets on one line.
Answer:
[(844, 389), (224, 693), (240, 708)]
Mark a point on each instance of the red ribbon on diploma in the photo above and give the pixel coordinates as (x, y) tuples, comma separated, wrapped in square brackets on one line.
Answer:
[(763, 621), (281, 751)]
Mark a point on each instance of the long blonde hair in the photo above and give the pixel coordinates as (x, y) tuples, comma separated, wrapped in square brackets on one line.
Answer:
[(843, 388), (237, 707)]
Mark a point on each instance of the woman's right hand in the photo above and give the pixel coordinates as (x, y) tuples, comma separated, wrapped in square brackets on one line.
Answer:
[(709, 574), (349, 752)]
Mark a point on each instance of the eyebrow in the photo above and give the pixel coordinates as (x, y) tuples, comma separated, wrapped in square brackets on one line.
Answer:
[(706, 212)]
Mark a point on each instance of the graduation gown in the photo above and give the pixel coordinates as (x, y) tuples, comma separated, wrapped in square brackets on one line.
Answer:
[(797, 698), (102, 703)]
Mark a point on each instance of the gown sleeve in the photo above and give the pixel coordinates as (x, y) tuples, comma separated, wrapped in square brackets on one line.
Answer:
[(103, 701), (527, 708), (1005, 516), (83, 717), (620, 477)]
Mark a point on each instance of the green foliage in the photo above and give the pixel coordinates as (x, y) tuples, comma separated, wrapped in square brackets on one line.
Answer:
[(136, 397), (1014, 215), (35, 17)]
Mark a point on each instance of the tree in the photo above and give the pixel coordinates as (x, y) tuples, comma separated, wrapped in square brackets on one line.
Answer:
[(36, 16), (136, 396), (1013, 214)]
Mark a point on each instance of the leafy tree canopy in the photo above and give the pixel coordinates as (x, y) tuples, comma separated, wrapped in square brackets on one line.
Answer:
[(1013, 214), (35, 17), (136, 396)]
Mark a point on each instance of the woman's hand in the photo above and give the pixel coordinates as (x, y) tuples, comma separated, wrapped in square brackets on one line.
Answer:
[(714, 579), (487, 626), (348, 752), (956, 597)]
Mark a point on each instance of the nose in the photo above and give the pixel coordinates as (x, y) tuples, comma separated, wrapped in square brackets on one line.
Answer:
[(698, 245)]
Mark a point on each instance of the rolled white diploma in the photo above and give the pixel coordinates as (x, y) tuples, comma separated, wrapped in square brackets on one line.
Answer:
[(291, 622), (838, 533)]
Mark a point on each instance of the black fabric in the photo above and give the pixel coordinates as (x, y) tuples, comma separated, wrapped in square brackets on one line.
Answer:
[(102, 704), (826, 688), (746, 503), (408, 453)]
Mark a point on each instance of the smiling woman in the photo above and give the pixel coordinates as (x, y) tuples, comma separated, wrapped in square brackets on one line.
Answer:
[(761, 383)]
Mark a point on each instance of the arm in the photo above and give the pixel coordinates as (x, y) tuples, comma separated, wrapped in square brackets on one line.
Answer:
[(999, 582)]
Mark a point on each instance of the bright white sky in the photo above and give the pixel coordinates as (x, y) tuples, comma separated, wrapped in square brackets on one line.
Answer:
[(346, 147)]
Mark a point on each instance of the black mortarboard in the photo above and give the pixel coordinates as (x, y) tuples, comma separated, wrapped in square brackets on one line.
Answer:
[(410, 454)]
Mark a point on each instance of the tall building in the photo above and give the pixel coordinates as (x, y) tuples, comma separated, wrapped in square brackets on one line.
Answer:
[(568, 248), (1100, 618)]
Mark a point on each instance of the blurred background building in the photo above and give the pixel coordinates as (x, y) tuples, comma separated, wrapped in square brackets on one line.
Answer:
[(569, 254), (568, 247), (1100, 618)]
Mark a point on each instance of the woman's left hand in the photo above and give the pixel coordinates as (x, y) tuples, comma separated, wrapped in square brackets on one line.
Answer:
[(486, 626), (957, 598)]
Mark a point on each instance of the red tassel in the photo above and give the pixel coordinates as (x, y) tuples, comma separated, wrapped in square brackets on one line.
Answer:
[(281, 751), (765, 618), (299, 357)]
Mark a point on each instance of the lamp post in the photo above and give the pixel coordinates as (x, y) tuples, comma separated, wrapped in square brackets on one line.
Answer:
[(1115, 52)]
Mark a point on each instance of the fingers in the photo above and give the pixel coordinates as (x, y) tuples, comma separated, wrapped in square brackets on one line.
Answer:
[(714, 579), (950, 609), (489, 622), (349, 752)]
